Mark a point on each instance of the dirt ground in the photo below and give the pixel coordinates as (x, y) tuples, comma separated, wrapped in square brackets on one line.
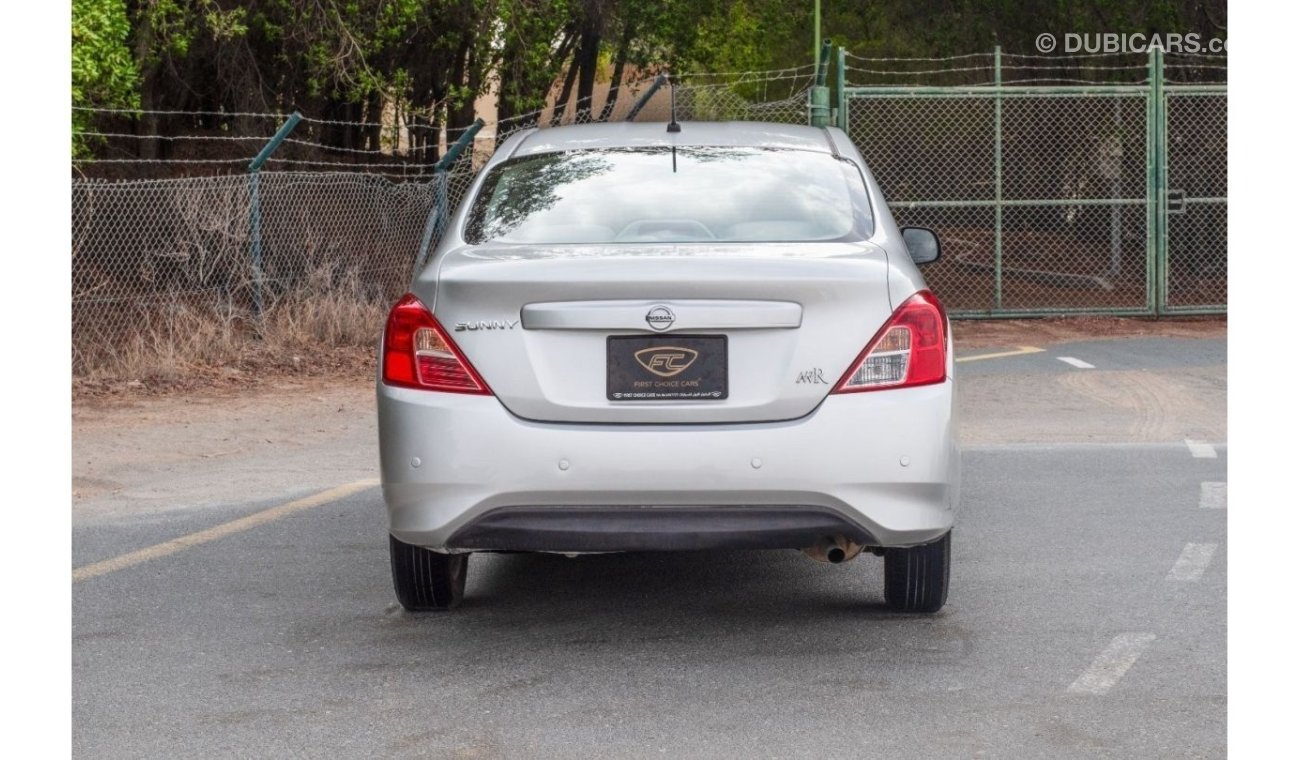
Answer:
[(985, 333), (226, 437)]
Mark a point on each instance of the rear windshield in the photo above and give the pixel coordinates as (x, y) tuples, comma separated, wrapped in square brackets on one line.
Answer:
[(658, 195)]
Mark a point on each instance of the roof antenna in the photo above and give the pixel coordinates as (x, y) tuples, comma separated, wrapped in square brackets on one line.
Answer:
[(673, 126)]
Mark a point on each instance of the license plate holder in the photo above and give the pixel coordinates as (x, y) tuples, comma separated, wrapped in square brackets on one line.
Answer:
[(666, 367)]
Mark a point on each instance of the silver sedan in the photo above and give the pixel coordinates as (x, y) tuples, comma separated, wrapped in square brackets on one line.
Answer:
[(631, 339)]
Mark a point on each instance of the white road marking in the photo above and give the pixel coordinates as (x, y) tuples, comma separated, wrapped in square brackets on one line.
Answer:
[(1201, 450), (1214, 495), (1112, 663), (1192, 562), (1077, 363), (198, 538), (1021, 351)]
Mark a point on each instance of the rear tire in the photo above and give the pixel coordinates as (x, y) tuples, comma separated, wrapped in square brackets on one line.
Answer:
[(426, 580), (916, 579)]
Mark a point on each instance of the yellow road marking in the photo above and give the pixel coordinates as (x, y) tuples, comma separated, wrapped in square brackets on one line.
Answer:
[(1021, 351), (166, 548)]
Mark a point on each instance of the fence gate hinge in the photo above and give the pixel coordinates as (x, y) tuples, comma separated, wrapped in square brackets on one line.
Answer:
[(1176, 201)]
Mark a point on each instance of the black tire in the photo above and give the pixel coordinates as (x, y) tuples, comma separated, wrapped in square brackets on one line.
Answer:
[(916, 579), (426, 580)]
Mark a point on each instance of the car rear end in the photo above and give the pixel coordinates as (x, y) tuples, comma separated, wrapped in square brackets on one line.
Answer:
[(643, 375)]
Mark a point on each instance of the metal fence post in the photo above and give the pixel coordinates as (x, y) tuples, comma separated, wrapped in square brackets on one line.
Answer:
[(1161, 181), (817, 28), (819, 97), (255, 205), (997, 177), (458, 147), (841, 98), (1156, 243), (438, 216), (1116, 192), (645, 97)]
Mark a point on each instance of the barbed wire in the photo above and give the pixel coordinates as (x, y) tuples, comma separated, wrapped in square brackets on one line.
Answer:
[(849, 54), (426, 168), (1064, 56), (1074, 67), (894, 72), (129, 136), (741, 77), (340, 149), (1072, 80), (288, 176), (367, 124), (167, 160), (701, 94), (139, 111), (772, 73)]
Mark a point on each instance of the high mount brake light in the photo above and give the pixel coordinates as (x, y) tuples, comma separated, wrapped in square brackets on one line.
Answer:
[(910, 350), (418, 353)]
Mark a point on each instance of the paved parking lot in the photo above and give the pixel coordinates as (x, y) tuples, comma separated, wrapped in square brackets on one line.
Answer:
[(1087, 614)]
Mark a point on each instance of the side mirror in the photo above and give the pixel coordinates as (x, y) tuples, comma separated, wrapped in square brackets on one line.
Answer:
[(922, 243)]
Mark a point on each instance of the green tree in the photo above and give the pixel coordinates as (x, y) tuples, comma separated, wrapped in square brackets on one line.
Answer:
[(103, 72)]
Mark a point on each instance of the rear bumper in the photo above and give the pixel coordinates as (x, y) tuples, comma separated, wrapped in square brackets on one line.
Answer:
[(462, 473), (614, 529)]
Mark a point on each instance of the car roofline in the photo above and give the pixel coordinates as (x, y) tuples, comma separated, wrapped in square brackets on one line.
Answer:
[(654, 134)]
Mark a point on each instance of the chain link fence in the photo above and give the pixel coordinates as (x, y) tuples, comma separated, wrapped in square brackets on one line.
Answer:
[(1196, 274), (1028, 223), (1045, 179), (149, 254), (152, 258), (1084, 184)]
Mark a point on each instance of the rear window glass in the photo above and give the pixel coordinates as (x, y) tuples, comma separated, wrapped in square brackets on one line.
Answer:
[(658, 195)]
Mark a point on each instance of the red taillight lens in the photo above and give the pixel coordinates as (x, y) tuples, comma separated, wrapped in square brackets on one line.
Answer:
[(911, 349), (418, 353)]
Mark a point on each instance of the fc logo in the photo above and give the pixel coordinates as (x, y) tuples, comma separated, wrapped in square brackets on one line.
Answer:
[(666, 361)]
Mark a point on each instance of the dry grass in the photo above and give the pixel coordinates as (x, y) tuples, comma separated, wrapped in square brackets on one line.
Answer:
[(324, 326)]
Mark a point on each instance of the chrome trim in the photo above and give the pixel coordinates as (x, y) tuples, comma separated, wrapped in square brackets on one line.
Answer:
[(690, 315)]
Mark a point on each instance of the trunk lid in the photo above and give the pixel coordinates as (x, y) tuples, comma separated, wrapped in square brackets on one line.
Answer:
[(540, 325)]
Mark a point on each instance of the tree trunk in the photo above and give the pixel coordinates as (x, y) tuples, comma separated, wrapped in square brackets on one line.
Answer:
[(148, 148), (587, 59), (416, 124), (458, 73), (562, 100), (373, 134), (346, 133), (509, 90), (616, 81)]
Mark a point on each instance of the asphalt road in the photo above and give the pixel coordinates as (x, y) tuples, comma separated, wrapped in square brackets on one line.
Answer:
[(1087, 617)]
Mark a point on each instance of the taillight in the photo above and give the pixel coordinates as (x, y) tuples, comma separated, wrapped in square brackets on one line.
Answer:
[(418, 353), (911, 349)]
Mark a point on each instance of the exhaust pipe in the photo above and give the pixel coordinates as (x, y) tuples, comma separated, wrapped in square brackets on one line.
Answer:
[(834, 549)]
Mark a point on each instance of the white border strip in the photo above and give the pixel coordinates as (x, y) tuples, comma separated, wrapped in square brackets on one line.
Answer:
[(1191, 564), (1076, 363), (1112, 663), (1201, 450), (1214, 495)]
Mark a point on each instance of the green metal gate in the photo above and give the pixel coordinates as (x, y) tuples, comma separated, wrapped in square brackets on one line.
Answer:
[(1194, 261), (1091, 198)]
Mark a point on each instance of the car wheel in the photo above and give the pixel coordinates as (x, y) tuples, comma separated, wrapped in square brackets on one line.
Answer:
[(426, 580), (916, 579)]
